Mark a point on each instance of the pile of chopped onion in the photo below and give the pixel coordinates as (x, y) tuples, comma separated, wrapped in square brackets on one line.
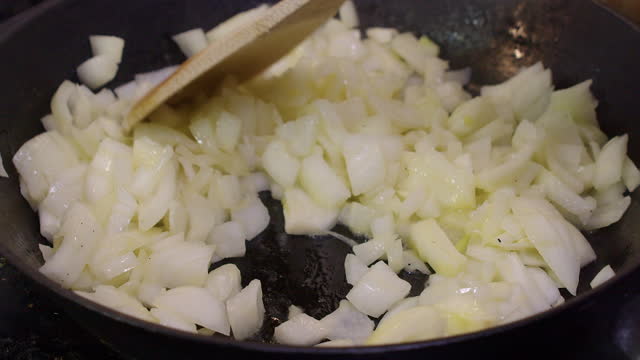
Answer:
[(490, 192)]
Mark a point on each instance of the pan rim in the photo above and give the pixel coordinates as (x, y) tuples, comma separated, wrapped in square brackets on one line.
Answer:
[(19, 22), (571, 304)]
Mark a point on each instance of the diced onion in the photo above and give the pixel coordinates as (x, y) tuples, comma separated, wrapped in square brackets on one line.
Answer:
[(224, 282), (381, 35), (369, 251), (195, 305), (280, 165), (630, 175), (110, 46), (293, 311), (354, 269), (191, 42), (348, 14), (229, 239), (348, 323), (603, 275), (433, 246), (378, 290), (610, 162), (304, 216), (3, 172), (246, 311), (114, 298), (300, 330), (253, 216), (172, 320), (414, 324), (80, 235), (97, 71), (183, 263)]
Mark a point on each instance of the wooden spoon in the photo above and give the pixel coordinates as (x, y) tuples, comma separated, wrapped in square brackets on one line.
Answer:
[(243, 53)]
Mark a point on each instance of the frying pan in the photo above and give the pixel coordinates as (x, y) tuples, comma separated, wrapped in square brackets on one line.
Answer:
[(577, 39)]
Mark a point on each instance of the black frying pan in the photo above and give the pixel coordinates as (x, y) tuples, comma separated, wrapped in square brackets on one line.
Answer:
[(577, 39)]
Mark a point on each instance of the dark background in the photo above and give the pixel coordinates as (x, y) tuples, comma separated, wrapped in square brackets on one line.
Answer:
[(9, 8)]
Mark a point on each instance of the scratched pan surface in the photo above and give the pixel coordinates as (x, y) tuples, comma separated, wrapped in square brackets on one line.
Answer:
[(575, 38)]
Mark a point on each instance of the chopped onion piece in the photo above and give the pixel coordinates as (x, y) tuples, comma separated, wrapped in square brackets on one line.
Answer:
[(293, 311), (191, 41), (603, 275), (41, 160), (549, 237), (357, 217), (195, 305), (349, 15), (321, 182), (608, 214), (414, 263), (118, 300), (630, 175), (300, 135), (255, 182), (148, 292), (610, 162), (229, 240), (354, 269), (204, 215), (402, 305), (545, 284), (111, 46), (378, 290), (80, 234), (65, 192), (561, 194), (181, 264), (346, 322), (3, 172), (433, 246), (462, 76), (365, 163), (300, 330), (303, 216), (224, 282), (153, 209), (414, 324), (369, 251), (252, 215), (169, 318), (97, 71), (381, 35), (246, 311), (280, 165), (46, 252)]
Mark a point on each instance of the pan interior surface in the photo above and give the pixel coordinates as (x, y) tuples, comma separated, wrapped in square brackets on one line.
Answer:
[(577, 40)]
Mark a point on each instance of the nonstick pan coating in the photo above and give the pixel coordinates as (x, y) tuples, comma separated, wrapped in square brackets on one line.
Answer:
[(577, 39)]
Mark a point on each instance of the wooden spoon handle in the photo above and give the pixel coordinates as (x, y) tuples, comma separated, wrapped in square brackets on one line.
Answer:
[(242, 54)]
